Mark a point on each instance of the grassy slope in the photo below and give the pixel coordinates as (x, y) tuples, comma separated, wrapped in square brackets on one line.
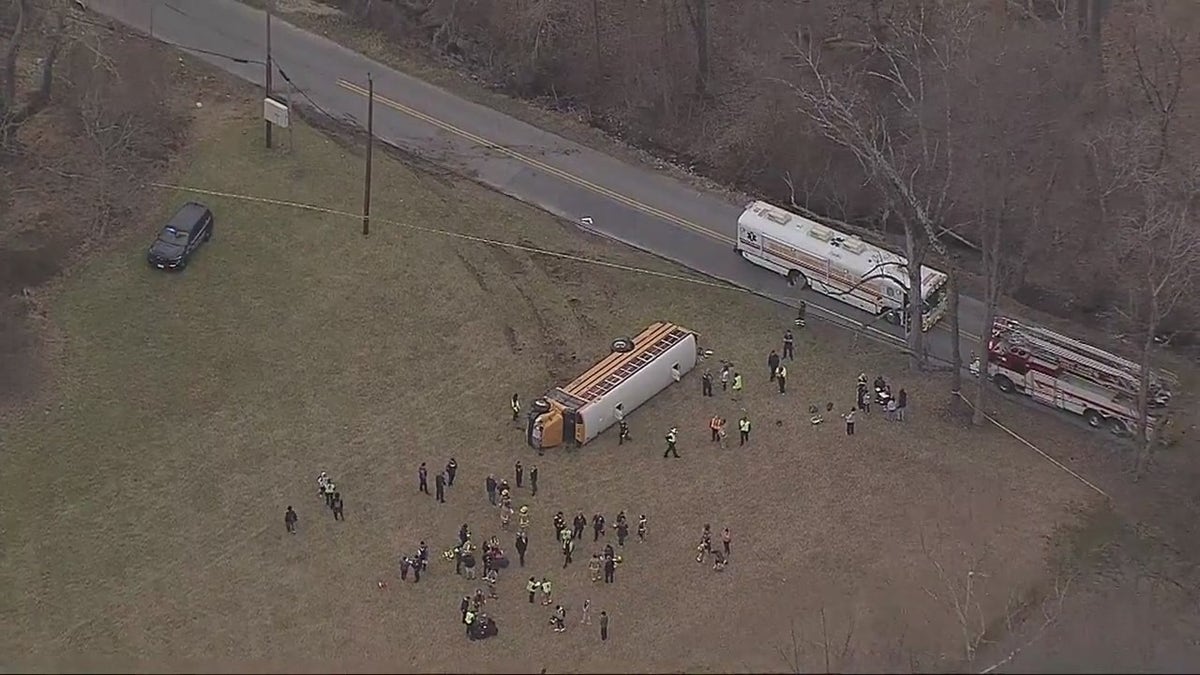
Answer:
[(192, 408)]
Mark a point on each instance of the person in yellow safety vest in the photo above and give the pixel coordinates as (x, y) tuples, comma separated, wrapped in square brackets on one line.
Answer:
[(714, 425), (671, 437), (744, 430), (516, 407), (737, 385), (469, 619)]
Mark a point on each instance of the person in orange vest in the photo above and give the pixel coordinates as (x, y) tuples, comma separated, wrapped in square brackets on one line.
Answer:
[(714, 425)]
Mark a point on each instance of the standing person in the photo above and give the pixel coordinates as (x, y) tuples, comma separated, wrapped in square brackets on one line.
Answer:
[(519, 472), (405, 564), (597, 527), (744, 430), (423, 556), (464, 606), (289, 520), (578, 525), (672, 435), (781, 377), (706, 381), (560, 619), (800, 312), (546, 590), (622, 432), (522, 545), (610, 569), (726, 538), (337, 506), (622, 531), (901, 404), (515, 404), (451, 469), (889, 410), (724, 376), (789, 345), (533, 475), (423, 478), (560, 521), (721, 434), (568, 549), (641, 531), (416, 570), (714, 425), (773, 365), (594, 567), (603, 626), (619, 412), (490, 485), (532, 587), (330, 488), (523, 519), (464, 535), (587, 605), (737, 386), (439, 486), (849, 417)]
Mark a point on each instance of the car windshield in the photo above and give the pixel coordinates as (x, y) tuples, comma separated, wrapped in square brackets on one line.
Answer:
[(935, 298), (171, 235)]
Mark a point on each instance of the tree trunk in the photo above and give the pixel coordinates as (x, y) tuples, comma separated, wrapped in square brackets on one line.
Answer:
[(1143, 445), (916, 337), (698, 15), (985, 336), (9, 90), (955, 331), (596, 37)]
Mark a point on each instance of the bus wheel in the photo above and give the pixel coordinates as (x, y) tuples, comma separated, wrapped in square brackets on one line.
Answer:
[(893, 316), (539, 406), (622, 345), (1117, 427), (1004, 384), (795, 278), (1094, 419)]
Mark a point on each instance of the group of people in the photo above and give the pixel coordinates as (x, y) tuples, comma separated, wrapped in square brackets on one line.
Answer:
[(705, 548)]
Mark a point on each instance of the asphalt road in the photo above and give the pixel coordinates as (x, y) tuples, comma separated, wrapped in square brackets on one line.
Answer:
[(631, 204)]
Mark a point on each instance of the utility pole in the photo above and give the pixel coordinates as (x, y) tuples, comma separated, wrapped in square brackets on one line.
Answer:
[(270, 67), (370, 144)]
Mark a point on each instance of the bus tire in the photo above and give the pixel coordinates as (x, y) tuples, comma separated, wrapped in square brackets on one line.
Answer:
[(1117, 428), (1094, 419), (539, 406), (1005, 385), (893, 317), (797, 278), (622, 345)]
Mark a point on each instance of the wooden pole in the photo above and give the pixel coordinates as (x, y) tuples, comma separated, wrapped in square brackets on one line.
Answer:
[(270, 68), (370, 144)]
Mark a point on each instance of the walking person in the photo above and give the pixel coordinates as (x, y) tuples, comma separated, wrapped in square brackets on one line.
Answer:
[(439, 487), (737, 386), (714, 425), (744, 430), (522, 545), (597, 527), (706, 382), (587, 606), (622, 530), (781, 377), (726, 538), (789, 345), (519, 471), (289, 520), (901, 404), (671, 438), (724, 376), (641, 531), (772, 365), (533, 476), (490, 485), (451, 469), (423, 478), (603, 626), (578, 525), (337, 506), (568, 549), (516, 408), (849, 417)]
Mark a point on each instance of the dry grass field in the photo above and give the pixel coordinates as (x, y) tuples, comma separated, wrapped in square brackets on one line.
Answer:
[(142, 520)]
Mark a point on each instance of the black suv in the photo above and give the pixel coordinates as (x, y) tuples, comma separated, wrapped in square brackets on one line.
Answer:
[(181, 236)]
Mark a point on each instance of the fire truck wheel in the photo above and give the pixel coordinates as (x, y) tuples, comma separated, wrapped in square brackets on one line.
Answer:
[(1004, 384), (1117, 427), (622, 345), (1094, 419)]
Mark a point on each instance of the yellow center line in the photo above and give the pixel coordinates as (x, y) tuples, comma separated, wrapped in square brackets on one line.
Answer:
[(559, 173)]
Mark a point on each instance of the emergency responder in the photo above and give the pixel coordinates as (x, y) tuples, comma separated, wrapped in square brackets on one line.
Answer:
[(744, 430), (714, 426), (672, 436), (781, 378), (772, 365), (516, 408), (622, 432), (789, 345)]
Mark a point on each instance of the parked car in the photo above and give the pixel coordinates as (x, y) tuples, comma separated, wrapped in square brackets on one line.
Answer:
[(191, 225)]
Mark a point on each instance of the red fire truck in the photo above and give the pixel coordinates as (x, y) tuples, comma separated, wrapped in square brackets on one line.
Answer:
[(1062, 372)]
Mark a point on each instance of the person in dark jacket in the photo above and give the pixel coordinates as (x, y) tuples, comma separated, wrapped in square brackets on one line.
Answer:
[(522, 545), (772, 364), (289, 520)]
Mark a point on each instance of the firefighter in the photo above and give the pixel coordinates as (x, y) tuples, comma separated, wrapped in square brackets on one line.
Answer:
[(714, 425), (744, 430), (781, 378), (737, 385), (672, 436), (800, 312), (789, 345)]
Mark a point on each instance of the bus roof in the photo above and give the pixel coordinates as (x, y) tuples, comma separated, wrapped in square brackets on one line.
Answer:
[(856, 255)]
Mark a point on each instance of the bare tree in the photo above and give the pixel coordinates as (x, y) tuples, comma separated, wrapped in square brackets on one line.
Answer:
[(889, 105), (1158, 60), (45, 24), (698, 17), (959, 593), (834, 653)]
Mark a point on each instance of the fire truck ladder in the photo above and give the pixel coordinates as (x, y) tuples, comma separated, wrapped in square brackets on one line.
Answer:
[(1072, 355), (658, 348)]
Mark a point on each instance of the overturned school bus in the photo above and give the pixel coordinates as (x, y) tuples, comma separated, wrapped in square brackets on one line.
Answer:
[(635, 371)]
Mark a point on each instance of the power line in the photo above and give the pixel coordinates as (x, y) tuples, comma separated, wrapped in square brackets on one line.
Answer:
[(308, 98), (187, 48)]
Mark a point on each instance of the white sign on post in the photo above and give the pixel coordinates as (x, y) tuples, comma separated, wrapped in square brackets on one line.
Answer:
[(275, 112)]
